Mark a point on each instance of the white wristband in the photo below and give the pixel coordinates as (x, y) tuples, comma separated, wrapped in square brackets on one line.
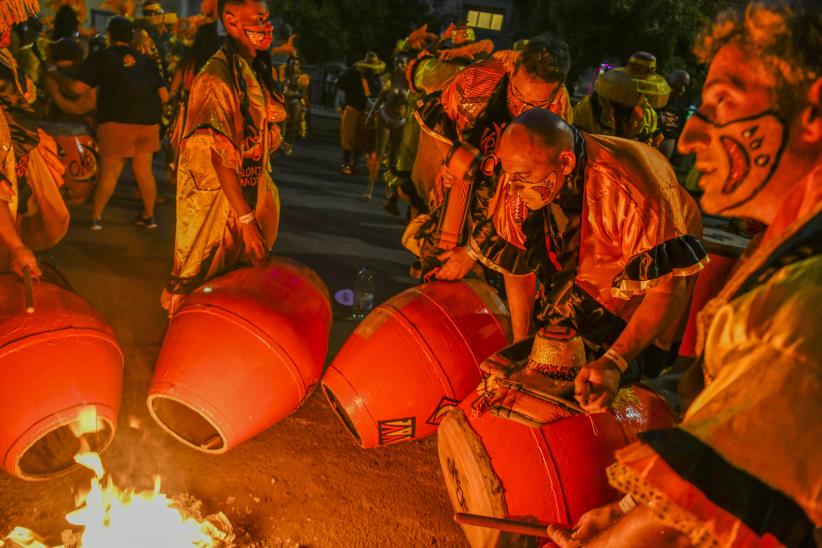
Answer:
[(248, 218), (617, 358), (626, 504)]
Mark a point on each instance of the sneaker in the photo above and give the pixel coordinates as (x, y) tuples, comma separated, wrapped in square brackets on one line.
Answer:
[(147, 222), (347, 170), (96, 224)]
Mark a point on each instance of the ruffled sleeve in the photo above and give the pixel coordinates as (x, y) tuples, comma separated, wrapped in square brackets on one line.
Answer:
[(679, 256), (642, 228)]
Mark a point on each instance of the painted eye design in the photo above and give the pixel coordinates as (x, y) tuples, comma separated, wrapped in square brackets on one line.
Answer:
[(750, 132)]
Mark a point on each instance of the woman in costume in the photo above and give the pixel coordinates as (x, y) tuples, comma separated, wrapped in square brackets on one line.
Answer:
[(227, 205)]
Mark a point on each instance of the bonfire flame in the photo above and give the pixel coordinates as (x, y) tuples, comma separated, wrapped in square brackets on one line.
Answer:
[(112, 517)]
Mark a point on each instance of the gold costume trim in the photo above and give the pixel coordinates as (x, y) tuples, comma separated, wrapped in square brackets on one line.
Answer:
[(631, 288), (629, 481)]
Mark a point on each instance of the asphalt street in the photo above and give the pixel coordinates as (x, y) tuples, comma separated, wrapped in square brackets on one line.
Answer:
[(304, 482)]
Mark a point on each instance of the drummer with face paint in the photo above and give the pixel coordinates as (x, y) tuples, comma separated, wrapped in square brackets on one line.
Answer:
[(614, 241), (227, 204), (742, 469)]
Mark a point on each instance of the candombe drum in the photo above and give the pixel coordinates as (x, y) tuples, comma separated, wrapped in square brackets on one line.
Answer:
[(78, 152), (519, 449), (243, 352), (724, 250), (61, 379), (413, 358)]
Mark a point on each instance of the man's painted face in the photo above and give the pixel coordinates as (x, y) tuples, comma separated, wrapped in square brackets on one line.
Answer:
[(526, 92), (533, 173), (737, 135)]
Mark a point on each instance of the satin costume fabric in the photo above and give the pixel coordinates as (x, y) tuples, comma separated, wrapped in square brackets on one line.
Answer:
[(42, 217), (208, 239), (743, 467), (620, 225)]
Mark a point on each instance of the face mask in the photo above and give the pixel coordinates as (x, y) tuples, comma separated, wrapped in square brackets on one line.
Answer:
[(752, 148), (538, 194), (260, 36)]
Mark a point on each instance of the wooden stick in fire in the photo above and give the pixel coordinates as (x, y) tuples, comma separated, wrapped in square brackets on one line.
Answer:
[(28, 290), (504, 524)]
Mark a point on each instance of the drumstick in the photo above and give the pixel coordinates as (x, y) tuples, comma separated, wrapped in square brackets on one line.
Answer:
[(505, 524), (28, 290)]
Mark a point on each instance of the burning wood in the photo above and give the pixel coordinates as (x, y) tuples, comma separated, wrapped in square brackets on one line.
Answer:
[(111, 516)]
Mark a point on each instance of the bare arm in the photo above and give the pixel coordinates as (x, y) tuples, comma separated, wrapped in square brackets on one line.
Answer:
[(660, 306), (230, 183), (77, 87), (83, 104), (21, 256)]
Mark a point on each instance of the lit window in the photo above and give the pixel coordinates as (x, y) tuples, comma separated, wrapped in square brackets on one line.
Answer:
[(496, 22), (484, 20), (472, 18)]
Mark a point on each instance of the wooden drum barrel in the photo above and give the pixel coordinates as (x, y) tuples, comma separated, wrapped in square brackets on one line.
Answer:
[(78, 152), (413, 358), (242, 353), (498, 467), (61, 379)]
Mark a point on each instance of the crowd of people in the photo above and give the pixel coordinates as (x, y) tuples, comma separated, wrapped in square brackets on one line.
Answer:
[(571, 209)]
